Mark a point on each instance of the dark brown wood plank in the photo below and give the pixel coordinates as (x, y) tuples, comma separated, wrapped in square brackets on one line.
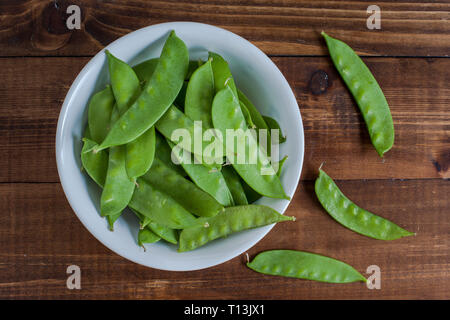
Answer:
[(416, 88), (292, 27), (40, 236)]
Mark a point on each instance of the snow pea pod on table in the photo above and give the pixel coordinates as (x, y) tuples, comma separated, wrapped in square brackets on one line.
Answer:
[(304, 265), (351, 216), (366, 92)]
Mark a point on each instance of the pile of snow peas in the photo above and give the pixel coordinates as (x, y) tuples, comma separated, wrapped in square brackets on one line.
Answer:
[(129, 151), (130, 147)]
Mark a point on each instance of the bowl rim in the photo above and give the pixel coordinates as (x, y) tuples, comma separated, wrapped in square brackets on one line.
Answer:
[(65, 183)]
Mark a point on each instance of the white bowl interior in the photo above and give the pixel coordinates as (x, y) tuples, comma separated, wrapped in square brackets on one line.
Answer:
[(254, 73)]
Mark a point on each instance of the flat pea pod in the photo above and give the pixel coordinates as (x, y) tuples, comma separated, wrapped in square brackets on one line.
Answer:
[(160, 207), (118, 187), (233, 219), (351, 216), (366, 92), (222, 78), (226, 114), (145, 69), (157, 95), (174, 120), (99, 114), (234, 185), (95, 164), (126, 88), (146, 236), (274, 125), (222, 73), (200, 94), (251, 194), (186, 193), (140, 154), (304, 265), (124, 82), (210, 181)]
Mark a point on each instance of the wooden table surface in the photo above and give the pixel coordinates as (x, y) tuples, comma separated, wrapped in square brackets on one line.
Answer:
[(40, 236)]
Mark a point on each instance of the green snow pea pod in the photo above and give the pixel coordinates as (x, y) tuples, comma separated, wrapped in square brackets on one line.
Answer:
[(351, 216), (157, 95), (210, 181), (274, 125), (99, 114), (222, 78), (251, 194), (164, 153), (124, 82), (173, 120), (366, 92), (226, 114), (125, 86), (222, 73), (186, 193), (118, 187), (160, 207), (145, 69), (234, 185), (95, 164), (233, 219), (200, 94), (147, 236), (140, 154), (304, 265)]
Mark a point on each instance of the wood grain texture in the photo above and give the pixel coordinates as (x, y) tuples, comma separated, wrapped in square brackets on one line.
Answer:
[(416, 89), (40, 237), (278, 27)]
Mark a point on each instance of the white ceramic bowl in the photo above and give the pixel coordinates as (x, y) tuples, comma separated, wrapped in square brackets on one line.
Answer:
[(255, 74)]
